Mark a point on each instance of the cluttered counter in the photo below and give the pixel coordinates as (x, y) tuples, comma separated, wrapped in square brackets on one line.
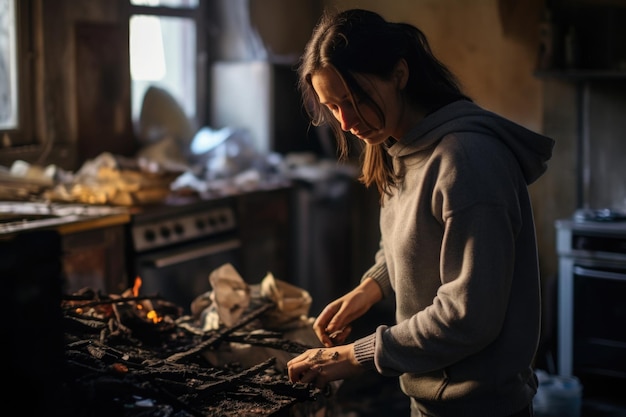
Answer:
[(34, 198), (105, 191), (116, 216)]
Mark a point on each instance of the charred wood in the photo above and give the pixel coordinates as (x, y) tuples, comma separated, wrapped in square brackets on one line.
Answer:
[(119, 362)]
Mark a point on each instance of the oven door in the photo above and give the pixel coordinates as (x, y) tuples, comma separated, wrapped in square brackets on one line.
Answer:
[(599, 317), (180, 274)]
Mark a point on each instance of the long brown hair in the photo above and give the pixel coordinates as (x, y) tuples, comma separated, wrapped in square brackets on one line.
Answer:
[(358, 41)]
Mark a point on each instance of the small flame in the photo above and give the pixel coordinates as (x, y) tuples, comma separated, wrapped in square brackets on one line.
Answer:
[(152, 315), (136, 286)]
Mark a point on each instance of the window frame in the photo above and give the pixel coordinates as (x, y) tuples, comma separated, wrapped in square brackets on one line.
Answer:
[(198, 14)]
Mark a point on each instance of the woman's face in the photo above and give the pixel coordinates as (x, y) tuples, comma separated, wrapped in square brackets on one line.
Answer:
[(334, 94)]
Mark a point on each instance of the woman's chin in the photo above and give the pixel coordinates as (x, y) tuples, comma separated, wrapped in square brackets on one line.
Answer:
[(373, 140)]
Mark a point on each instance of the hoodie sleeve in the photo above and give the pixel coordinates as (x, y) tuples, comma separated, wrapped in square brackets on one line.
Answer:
[(379, 273), (364, 351)]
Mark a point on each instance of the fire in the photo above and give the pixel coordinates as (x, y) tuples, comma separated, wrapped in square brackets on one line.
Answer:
[(152, 314), (136, 286)]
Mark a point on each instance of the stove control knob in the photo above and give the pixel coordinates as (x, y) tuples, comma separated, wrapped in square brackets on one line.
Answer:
[(213, 222), (200, 224), (179, 229), (165, 232), (149, 235)]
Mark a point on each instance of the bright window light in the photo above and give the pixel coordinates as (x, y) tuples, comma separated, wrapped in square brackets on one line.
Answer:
[(166, 3), (147, 59), (8, 66), (163, 54)]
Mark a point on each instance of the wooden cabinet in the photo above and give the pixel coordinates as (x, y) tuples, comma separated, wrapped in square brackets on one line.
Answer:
[(95, 258)]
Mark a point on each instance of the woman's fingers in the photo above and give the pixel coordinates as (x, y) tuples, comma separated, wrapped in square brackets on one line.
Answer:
[(320, 366), (339, 337), (307, 367)]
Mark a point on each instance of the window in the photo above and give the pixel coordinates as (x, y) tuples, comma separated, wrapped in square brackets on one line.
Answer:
[(166, 52), (38, 120), (8, 65), (16, 104)]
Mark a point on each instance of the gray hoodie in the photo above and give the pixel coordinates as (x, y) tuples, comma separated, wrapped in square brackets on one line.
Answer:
[(458, 251)]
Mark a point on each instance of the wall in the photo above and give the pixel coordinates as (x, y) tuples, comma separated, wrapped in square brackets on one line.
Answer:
[(491, 45), (606, 182), (493, 48), (284, 25)]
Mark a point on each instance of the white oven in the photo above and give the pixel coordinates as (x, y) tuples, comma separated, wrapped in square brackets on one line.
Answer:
[(592, 298)]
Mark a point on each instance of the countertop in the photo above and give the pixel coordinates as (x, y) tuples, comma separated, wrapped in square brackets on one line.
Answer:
[(22, 216), (19, 217)]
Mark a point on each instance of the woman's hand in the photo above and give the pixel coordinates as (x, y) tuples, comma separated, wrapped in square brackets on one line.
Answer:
[(321, 366), (332, 326)]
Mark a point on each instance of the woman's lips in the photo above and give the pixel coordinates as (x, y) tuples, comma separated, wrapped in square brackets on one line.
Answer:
[(362, 135)]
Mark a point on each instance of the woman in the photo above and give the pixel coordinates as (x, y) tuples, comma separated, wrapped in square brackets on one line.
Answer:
[(458, 249)]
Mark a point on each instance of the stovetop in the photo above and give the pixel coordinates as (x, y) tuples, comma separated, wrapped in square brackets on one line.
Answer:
[(599, 215), (180, 222), (596, 222)]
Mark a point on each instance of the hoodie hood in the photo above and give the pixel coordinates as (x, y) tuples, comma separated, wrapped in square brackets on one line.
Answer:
[(532, 150)]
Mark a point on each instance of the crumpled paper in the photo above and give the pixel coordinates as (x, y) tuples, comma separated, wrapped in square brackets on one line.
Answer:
[(117, 180), (224, 306), (231, 294), (292, 303)]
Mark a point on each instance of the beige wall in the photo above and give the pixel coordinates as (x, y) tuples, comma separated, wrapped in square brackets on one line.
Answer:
[(490, 46), (284, 25)]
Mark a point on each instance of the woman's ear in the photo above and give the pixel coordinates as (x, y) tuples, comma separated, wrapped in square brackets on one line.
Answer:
[(401, 74)]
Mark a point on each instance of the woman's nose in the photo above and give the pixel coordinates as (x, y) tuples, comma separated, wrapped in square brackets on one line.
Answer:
[(347, 118)]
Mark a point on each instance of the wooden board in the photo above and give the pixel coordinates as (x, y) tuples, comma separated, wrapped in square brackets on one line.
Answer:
[(103, 90)]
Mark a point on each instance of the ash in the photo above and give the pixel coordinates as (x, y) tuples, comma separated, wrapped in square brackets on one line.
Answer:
[(134, 356)]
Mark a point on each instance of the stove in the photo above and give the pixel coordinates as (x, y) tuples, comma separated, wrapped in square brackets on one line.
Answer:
[(177, 226), (176, 246)]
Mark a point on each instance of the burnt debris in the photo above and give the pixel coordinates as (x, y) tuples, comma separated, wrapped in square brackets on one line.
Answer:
[(140, 357)]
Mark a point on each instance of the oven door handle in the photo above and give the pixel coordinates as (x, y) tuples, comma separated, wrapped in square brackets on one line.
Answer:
[(193, 254), (595, 273)]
